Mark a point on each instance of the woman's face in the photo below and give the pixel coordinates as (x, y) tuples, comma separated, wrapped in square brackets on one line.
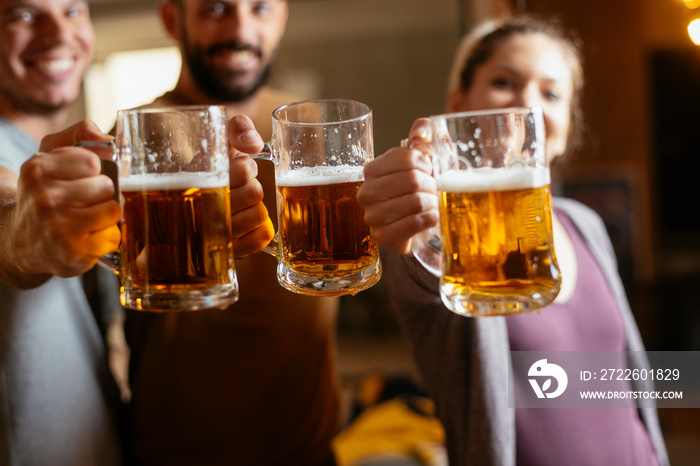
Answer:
[(527, 70)]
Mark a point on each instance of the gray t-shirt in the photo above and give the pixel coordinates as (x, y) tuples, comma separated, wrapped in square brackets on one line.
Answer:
[(57, 399)]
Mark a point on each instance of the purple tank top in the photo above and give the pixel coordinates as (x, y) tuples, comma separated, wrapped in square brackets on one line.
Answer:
[(590, 321)]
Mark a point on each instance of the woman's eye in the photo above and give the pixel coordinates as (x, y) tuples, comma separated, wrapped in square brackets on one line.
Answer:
[(551, 96), (501, 83)]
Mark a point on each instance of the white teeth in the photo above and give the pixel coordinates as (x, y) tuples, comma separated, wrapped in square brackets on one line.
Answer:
[(55, 66), (241, 54)]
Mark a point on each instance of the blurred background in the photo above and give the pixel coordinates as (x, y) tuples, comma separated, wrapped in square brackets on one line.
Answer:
[(638, 168)]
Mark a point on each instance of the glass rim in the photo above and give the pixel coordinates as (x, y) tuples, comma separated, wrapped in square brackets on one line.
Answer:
[(488, 112), (366, 112), (172, 109)]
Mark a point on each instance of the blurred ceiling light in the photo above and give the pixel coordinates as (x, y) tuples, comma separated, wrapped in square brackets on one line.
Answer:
[(692, 4), (694, 31)]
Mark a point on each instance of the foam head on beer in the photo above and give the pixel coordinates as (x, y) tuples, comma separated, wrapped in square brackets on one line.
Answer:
[(492, 179), (172, 181), (310, 176)]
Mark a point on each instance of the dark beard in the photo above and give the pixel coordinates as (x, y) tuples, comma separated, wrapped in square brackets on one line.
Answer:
[(35, 106), (215, 84)]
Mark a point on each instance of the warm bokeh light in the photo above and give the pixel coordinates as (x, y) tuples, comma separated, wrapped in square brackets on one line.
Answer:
[(692, 4), (694, 31)]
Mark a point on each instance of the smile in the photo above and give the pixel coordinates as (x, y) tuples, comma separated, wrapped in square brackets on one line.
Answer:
[(56, 66), (242, 55)]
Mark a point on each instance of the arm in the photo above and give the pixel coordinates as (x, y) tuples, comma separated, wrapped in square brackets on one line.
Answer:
[(58, 216), (399, 193), (251, 225)]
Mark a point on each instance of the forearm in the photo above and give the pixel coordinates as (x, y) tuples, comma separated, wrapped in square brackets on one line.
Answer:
[(10, 274)]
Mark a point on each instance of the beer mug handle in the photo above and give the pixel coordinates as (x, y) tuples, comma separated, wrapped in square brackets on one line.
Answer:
[(273, 247), (108, 166), (426, 246)]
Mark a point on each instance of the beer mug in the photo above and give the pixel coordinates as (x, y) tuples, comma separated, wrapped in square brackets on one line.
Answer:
[(176, 252), (493, 250), (320, 148)]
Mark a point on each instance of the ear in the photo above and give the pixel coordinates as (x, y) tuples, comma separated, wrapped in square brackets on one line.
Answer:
[(170, 15), (454, 101)]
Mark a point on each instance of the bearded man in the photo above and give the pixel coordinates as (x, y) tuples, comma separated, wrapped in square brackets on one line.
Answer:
[(255, 383)]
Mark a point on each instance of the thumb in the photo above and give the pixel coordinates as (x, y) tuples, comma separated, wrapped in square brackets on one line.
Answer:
[(243, 136), (85, 130)]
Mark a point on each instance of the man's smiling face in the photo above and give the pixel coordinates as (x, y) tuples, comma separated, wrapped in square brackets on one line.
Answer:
[(45, 48), (229, 45)]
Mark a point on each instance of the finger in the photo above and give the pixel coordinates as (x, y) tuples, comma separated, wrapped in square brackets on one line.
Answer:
[(104, 241), (420, 131), (242, 170), (242, 135), (253, 241), (393, 185), (398, 159), (84, 130), (93, 218), (246, 197), (93, 246), (86, 192), (67, 163), (405, 206), (58, 197), (82, 251), (249, 219), (397, 235)]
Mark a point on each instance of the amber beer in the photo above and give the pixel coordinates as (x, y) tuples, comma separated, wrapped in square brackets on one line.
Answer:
[(497, 239), (321, 223), (176, 233)]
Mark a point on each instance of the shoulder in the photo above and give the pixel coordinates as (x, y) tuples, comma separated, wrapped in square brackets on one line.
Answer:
[(267, 100), (164, 100), (588, 223), (578, 212)]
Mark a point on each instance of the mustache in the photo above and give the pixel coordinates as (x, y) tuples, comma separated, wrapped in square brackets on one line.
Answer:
[(233, 46)]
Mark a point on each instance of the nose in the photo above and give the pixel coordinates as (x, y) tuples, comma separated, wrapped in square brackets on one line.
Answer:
[(241, 22), (54, 29), (528, 96)]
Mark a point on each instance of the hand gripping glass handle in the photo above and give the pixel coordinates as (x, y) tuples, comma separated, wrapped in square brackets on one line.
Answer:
[(426, 245), (274, 247), (107, 152)]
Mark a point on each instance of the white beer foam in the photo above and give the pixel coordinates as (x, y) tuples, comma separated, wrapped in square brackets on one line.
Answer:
[(314, 176), (484, 179), (172, 181)]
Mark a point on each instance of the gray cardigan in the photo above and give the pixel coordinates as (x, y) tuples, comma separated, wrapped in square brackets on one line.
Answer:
[(465, 362)]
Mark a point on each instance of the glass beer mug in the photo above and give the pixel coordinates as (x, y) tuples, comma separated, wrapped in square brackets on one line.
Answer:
[(493, 250), (176, 252), (320, 148)]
